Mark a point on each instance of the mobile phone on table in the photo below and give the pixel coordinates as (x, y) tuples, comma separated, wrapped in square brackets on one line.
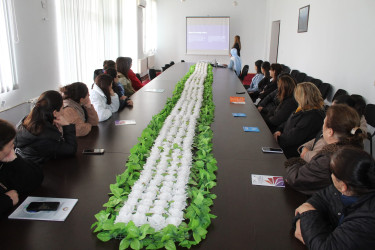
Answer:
[(42, 206), (93, 151), (272, 150), (240, 92)]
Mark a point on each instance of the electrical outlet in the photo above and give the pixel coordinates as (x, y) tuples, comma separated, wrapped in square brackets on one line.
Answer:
[(2, 104)]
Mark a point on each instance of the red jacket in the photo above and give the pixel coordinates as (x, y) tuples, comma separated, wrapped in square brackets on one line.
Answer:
[(135, 81)]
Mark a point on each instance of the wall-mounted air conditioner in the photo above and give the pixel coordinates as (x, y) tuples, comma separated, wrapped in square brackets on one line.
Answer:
[(142, 3)]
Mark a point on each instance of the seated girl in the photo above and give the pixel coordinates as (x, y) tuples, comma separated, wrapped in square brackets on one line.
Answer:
[(45, 133), (257, 78), (268, 88), (104, 99), (342, 215), (340, 128), (78, 108), (119, 89), (17, 177), (305, 122), (127, 77), (235, 62), (265, 68), (280, 104)]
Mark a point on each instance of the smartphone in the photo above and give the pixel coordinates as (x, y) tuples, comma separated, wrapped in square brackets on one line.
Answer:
[(272, 150), (93, 151), (42, 206), (240, 92)]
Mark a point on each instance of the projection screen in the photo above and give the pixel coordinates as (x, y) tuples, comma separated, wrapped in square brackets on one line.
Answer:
[(207, 35)]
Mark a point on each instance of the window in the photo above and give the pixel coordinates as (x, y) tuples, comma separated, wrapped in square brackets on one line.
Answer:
[(8, 36), (88, 34), (149, 28)]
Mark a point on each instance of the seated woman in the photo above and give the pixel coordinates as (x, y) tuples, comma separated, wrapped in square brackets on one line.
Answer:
[(126, 75), (275, 71), (311, 148), (45, 133), (257, 78), (340, 128), (342, 215), (78, 108), (104, 99), (17, 177), (305, 122), (235, 62), (280, 104), (265, 68), (119, 89)]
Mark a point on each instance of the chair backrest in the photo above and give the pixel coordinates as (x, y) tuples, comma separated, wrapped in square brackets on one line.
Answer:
[(325, 88), (163, 69), (244, 72), (167, 66), (151, 74), (317, 82), (308, 79), (338, 93), (139, 77), (370, 114), (171, 63), (294, 73), (182, 60), (300, 77), (98, 72), (285, 69)]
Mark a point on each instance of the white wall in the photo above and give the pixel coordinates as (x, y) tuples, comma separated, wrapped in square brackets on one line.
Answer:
[(36, 52), (338, 47), (247, 20)]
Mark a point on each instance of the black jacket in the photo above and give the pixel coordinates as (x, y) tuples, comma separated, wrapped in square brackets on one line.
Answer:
[(268, 89), (300, 127), (17, 175), (275, 113), (49, 144), (321, 228)]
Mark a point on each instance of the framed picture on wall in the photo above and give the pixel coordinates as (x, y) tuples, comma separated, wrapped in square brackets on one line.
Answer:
[(303, 19)]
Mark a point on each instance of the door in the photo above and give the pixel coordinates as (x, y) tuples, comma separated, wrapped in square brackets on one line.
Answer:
[(274, 43)]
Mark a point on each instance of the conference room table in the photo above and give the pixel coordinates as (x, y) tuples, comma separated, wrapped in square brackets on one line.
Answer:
[(248, 216)]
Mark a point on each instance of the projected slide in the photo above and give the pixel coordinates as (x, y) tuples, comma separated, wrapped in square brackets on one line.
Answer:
[(207, 35)]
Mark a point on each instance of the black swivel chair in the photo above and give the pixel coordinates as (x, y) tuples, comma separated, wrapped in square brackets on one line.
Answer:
[(294, 73), (300, 77), (325, 89), (151, 74), (370, 119), (285, 69), (171, 63), (338, 93), (167, 66), (317, 82), (244, 72), (182, 61), (139, 77)]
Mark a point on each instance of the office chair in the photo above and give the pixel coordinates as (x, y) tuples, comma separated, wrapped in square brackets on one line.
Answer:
[(317, 82), (370, 119), (338, 93), (300, 77), (294, 73), (171, 63), (139, 77), (325, 88), (151, 74)]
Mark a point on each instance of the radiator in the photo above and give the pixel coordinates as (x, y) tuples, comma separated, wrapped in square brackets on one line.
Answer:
[(142, 65), (151, 61)]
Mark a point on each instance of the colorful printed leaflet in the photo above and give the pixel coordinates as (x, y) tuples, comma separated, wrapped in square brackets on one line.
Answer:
[(251, 129), (125, 122), (267, 180), (237, 100), (239, 114)]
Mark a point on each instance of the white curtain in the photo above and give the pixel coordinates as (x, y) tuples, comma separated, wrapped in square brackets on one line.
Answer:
[(8, 36), (149, 28), (89, 34)]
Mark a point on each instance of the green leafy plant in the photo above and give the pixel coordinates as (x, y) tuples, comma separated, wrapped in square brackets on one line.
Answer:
[(202, 178)]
